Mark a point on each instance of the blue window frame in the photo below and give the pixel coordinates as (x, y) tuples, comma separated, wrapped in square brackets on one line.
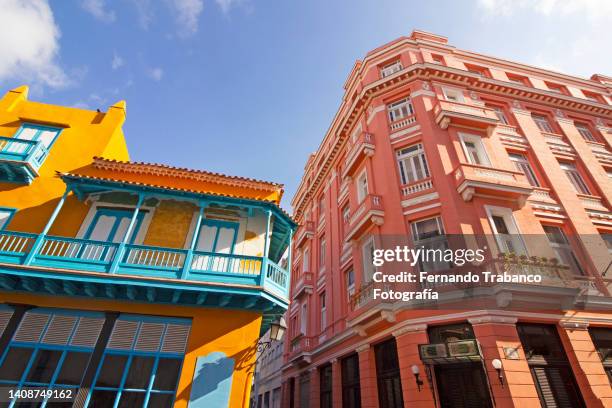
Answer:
[(47, 135), (141, 364), (6, 215), (50, 348), (110, 225), (217, 236)]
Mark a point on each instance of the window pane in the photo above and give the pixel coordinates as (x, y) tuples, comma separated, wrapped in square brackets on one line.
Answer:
[(160, 401), (167, 374), (15, 363), (131, 399), (112, 370), (73, 368), (140, 372), (102, 399), (44, 366)]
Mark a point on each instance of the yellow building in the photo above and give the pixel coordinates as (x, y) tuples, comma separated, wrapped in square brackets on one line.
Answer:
[(129, 284)]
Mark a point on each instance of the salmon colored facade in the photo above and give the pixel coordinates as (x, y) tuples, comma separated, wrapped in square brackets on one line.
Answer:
[(129, 284), (432, 141)]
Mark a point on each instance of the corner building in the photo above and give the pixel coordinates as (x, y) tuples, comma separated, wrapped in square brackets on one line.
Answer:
[(129, 284), (431, 142)]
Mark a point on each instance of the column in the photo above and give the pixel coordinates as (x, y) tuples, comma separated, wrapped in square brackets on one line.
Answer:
[(296, 392), (367, 377), (315, 387), (499, 339), (194, 241), (336, 383), (408, 338), (586, 364), (121, 248)]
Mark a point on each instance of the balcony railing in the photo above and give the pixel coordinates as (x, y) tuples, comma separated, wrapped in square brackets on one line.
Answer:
[(402, 123), (21, 159), (417, 187), (141, 260), (447, 112), (300, 346), (592, 202)]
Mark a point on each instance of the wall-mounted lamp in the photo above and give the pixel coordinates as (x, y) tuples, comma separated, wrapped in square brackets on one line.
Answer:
[(415, 371), (277, 332), (497, 365)]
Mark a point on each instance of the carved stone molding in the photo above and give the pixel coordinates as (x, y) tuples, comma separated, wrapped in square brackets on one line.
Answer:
[(574, 324), (413, 328), (492, 319)]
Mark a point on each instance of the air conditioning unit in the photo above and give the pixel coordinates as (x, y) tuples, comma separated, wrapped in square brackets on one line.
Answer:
[(433, 350), (463, 348)]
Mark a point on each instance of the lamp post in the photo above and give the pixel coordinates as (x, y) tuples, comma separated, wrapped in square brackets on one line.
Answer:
[(276, 333)]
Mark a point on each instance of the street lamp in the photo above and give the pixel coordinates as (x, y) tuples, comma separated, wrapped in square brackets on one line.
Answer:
[(497, 365), (277, 332), (415, 371)]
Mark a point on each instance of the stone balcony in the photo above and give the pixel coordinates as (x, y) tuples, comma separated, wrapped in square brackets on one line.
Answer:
[(303, 285), (300, 349), (474, 180), (448, 113), (369, 212), (364, 146), (305, 231)]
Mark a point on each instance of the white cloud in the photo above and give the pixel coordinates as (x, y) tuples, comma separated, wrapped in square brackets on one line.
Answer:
[(117, 62), (579, 46), (156, 74), (144, 9), (225, 5), (187, 13), (97, 8), (593, 9), (29, 44)]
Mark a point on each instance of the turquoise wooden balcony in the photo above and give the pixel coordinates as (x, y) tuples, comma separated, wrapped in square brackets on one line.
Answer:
[(21, 159), (123, 270), (90, 268)]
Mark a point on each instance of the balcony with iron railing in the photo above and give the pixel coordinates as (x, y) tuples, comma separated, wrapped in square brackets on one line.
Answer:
[(463, 114), (370, 211), (20, 159), (472, 179), (363, 146)]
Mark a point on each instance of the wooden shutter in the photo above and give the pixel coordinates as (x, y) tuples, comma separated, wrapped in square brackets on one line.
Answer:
[(149, 336), (87, 331), (5, 317), (175, 340), (31, 327), (552, 384), (122, 337), (60, 329)]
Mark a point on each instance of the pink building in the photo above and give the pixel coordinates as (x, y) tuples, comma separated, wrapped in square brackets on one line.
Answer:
[(432, 142)]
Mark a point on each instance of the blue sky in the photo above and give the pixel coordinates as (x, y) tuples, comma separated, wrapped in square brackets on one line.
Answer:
[(249, 87)]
